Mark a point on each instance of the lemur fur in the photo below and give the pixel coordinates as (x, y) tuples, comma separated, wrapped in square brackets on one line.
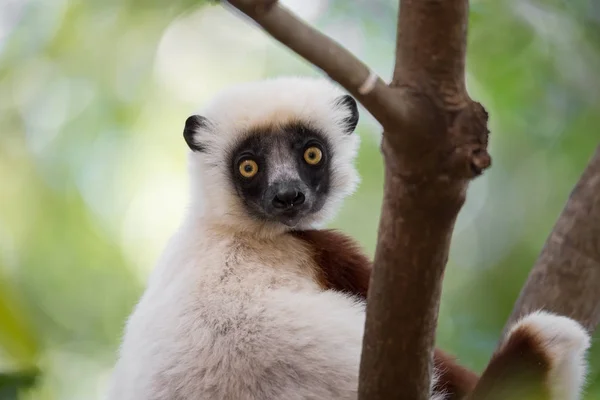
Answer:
[(248, 300)]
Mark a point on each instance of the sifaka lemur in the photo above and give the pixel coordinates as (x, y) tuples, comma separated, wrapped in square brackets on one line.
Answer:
[(251, 300)]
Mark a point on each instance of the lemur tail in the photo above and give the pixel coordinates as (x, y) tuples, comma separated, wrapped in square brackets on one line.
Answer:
[(542, 358)]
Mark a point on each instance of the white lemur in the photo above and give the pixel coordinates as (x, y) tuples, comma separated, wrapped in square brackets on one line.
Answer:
[(251, 301)]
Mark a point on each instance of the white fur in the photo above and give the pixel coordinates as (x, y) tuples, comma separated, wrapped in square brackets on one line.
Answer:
[(222, 320), (566, 342), (237, 110)]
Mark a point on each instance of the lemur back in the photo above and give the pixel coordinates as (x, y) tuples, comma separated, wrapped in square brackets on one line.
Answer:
[(249, 300)]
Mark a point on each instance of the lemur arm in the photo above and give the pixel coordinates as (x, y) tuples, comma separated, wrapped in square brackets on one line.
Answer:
[(542, 358), (344, 267)]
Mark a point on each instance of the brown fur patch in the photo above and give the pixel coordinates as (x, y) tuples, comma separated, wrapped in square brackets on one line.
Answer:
[(342, 264), (518, 370), (344, 267), (453, 379)]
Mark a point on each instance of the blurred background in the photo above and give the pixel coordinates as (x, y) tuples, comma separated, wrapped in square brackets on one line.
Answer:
[(93, 97)]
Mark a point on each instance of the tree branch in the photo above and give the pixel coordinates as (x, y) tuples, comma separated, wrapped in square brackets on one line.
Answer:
[(430, 158), (566, 276), (326, 54)]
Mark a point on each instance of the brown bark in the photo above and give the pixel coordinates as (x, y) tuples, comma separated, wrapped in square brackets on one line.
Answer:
[(434, 143), (429, 161), (566, 277)]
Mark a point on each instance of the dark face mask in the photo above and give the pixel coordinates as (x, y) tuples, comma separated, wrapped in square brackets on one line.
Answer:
[(282, 175)]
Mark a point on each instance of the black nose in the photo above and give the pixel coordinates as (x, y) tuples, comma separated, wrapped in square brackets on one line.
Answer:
[(288, 197)]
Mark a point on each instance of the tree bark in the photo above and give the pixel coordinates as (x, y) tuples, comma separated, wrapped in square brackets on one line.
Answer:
[(429, 160), (566, 277), (434, 143)]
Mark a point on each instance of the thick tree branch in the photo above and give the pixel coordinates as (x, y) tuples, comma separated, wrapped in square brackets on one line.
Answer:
[(566, 276), (437, 149), (326, 54)]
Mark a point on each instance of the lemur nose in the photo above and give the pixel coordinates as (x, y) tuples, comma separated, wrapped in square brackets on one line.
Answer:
[(288, 197)]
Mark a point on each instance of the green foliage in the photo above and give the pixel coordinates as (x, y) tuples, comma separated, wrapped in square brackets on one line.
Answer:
[(93, 95), (12, 384)]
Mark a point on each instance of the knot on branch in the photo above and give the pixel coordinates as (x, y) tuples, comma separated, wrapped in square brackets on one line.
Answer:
[(437, 145), (469, 133)]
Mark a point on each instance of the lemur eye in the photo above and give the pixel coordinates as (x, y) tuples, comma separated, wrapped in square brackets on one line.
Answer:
[(248, 168), (313, 155)]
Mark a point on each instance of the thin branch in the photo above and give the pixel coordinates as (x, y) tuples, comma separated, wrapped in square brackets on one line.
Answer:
[(325, 53), (566, 276)]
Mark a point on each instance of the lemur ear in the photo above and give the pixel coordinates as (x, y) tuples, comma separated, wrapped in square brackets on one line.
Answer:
[(190, 132), (348, 103)]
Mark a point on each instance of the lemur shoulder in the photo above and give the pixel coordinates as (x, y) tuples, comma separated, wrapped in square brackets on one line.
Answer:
[(250, 300)]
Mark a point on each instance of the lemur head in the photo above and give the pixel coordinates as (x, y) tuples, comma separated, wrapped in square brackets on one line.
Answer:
[(276, 154)]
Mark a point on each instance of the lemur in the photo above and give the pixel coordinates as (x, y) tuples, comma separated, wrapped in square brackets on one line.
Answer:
[(250, 300)]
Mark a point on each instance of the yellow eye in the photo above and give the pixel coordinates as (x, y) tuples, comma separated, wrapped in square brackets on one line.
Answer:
[(248, 168), (313, 155)]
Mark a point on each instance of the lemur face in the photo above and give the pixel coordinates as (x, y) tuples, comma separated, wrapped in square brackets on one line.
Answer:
[(282, 174), (279, 152)]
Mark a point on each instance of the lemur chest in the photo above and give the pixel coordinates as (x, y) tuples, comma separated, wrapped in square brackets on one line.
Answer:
[(256, 265), (240, 280)]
